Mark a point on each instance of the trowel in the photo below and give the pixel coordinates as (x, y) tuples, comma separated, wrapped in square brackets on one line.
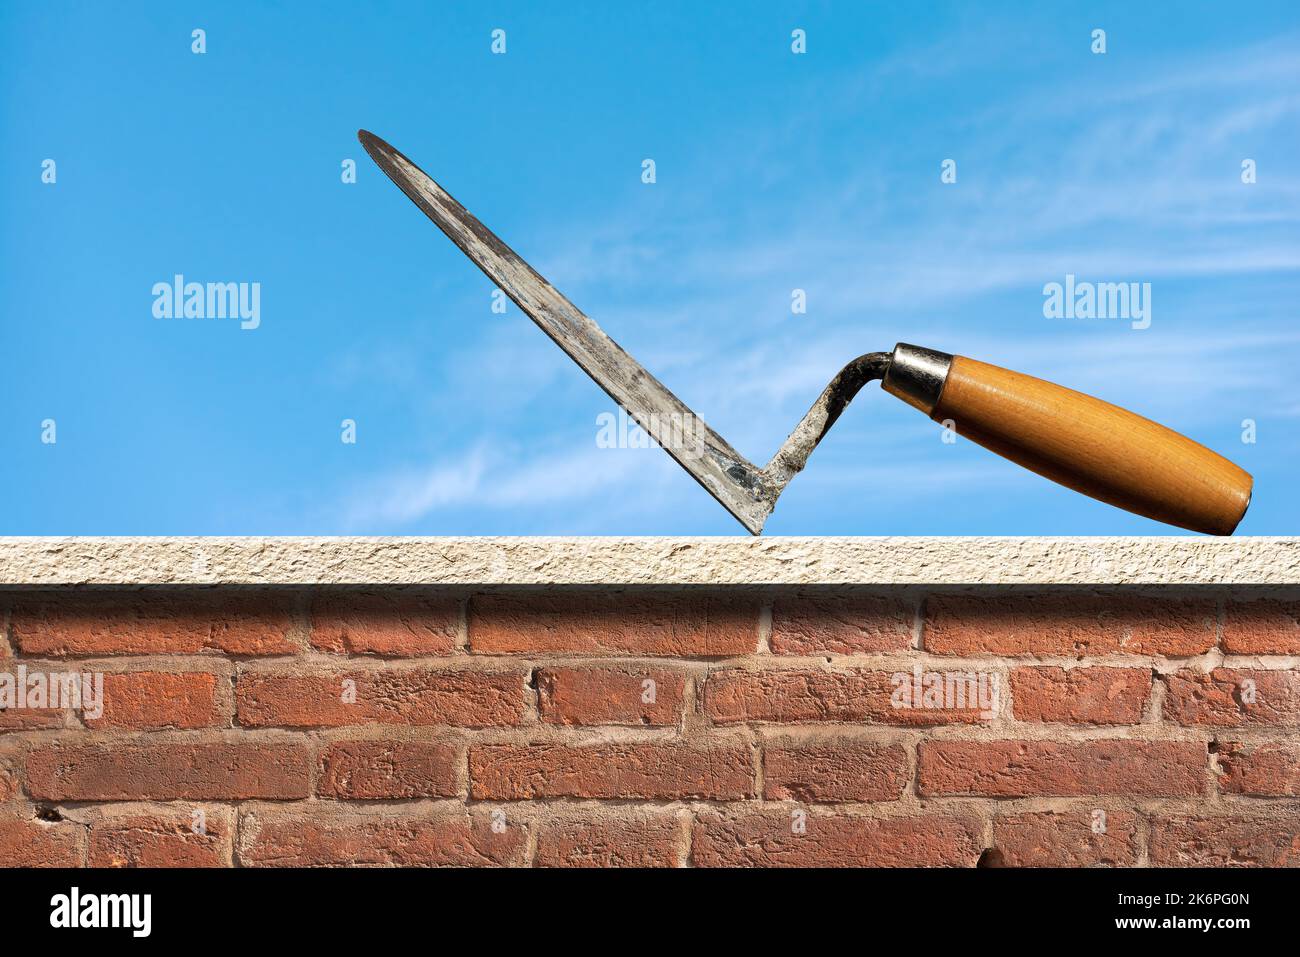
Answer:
[(1072, 438)]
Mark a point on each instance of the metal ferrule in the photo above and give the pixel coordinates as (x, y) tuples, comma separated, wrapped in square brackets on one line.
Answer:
[(917, 376)]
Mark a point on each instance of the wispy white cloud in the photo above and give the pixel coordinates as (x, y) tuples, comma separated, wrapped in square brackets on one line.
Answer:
[(1134, 165), (495, 476), (412, 493)]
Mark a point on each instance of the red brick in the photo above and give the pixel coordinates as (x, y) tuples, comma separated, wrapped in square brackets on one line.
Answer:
[(1221, 698), (162, 840), (807, 695), (147, 624), (1066, 839), (152, 700), (1256, 841), (612, 771), (1080, 695), (592, 696), (613, 622), (840, 625), (257, 630), (406, 841), (30, 719), (627, 840), (24, 686), (459, 698), (1264, 627), (29, 842), (1265, 769), (1062, 769), (839, 771), (209, 771), (393, 625), (380, 770), (1057, 624), (768, 839)]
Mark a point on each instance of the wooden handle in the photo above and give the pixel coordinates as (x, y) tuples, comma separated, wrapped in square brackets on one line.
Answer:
[(1094, 447)]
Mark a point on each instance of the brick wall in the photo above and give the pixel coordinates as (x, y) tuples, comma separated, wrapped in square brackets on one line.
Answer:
[(655, 726)]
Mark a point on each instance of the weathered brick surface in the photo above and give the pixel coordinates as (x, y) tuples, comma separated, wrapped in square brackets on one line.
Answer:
[(29, 842), (171, 771), (388, 770), (1029, 768), (1085, 838), (232, 623), (405, 840), (837, 771), (200, 837), (650, 771), (29, 719), (1232, 697), (1080, 695), (613, 622), (1070, 625), (791, 696), (812, 625), (616, 840), (1269, 768), (458, 698), (774, 839), (630, 694), (1262, 627), (641, 727), (1227, 841), (396, 625), (8, 781), (154, 700)]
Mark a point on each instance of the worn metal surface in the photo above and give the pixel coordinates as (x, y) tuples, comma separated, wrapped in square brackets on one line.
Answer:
[(744, 489), (649, 561)]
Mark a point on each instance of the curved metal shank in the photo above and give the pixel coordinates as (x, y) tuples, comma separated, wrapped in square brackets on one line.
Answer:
[(793, 455)]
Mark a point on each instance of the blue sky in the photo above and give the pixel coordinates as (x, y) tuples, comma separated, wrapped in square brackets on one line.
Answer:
[(775, 171)]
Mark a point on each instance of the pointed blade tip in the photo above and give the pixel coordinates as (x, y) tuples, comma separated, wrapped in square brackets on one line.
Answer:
[(373, 144)]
